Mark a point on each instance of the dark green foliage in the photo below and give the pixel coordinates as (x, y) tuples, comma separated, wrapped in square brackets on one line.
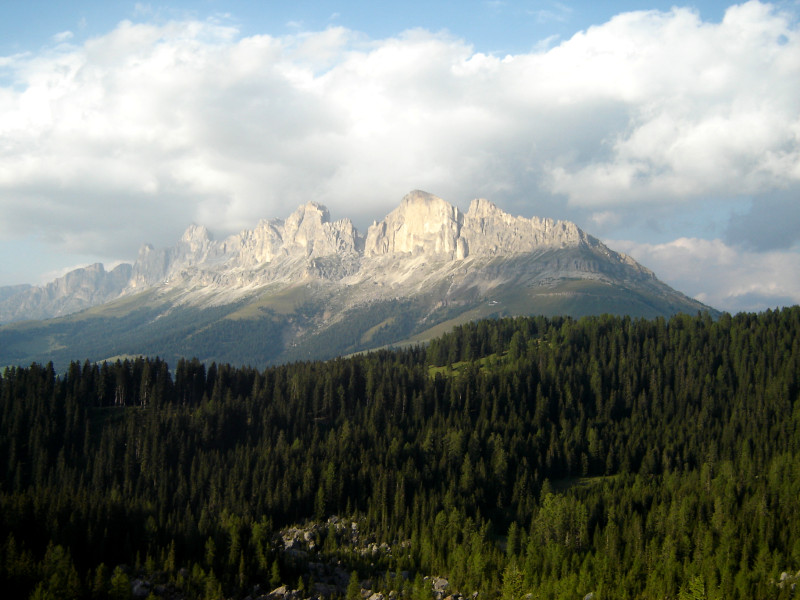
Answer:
[(558, 457), (353, 587)]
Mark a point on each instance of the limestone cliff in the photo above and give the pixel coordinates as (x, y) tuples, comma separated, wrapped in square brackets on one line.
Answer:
[(422, 224), (425, 224), (74, 291)]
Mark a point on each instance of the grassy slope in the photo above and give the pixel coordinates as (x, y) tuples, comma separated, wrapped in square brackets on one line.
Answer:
[(576, 298)]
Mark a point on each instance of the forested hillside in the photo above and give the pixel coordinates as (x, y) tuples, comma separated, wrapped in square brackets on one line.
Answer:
[(624, 458)]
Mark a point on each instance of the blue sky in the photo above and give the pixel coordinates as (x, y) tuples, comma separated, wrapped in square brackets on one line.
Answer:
[(491, 26), (669, 130)]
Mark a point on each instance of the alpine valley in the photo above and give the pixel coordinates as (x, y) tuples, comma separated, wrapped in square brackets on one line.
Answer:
[(309, 288)]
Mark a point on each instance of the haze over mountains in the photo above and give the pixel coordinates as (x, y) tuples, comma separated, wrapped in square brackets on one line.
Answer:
[(426, 263)]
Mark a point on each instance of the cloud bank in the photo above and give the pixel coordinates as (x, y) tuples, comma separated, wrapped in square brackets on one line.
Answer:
[(132, 135), (721, 275)]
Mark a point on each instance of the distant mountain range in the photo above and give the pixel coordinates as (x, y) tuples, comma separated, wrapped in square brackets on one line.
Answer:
[(307, 287)]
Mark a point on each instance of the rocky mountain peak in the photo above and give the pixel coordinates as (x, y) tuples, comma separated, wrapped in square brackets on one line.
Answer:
[(309, 232), (256, 246), (426, 224), (422, 224), (481, 208), (66, 294), (196, 234), (310, 215), (417, 198), (305, 225), (417, 205), (490, 230)]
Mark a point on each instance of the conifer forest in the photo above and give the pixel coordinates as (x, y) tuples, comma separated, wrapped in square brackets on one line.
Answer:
[(604, 457)]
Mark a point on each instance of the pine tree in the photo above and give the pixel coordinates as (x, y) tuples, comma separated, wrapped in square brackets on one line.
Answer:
[(422, 589), (101, 582), (513, 583), (275, 575), (354, 587), (120, 585)]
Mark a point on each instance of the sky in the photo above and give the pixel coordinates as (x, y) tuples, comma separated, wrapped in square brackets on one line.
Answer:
[(670, 131)]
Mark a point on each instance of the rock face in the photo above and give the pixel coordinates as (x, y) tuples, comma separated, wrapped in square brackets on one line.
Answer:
[(418, 243), (424, 243), (290, 247), (74, 291), (489, 230), (422, 224), (425, 224)]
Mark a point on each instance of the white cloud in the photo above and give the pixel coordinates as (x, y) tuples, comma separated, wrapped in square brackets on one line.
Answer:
[(605, 218), (557, 11), (62, 37), (720, 275), (710, 107), (140, 9), (134, 134)]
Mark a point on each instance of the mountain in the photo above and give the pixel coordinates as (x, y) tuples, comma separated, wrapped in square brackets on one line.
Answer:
[(307, 287), (74, 291)]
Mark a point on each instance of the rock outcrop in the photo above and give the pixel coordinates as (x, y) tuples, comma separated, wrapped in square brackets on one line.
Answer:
[(490, 231), (325, 575), (425, 224), (290, 247), (422, 224)]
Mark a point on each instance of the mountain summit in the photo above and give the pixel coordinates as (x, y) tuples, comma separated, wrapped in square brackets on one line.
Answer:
[(319, 288)]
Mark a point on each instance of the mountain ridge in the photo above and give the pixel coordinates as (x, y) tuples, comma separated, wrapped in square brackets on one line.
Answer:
[(305, 245)]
